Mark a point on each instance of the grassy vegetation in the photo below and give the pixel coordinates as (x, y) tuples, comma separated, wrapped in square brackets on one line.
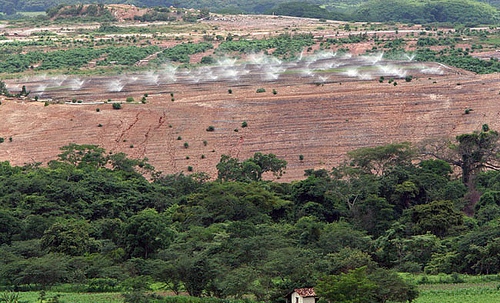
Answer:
[(474, 291), (459, 293), (33, 296)]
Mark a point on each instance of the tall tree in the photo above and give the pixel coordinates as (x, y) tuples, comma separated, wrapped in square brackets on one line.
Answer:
[(69, 237), (231, 169), (472, 152), (145, 233), (377, 160)]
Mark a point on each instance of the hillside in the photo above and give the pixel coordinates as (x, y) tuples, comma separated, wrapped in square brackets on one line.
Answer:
[(324, 106), (450, 11)]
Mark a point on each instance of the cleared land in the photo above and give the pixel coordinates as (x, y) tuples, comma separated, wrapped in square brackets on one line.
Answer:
[(324, 106)]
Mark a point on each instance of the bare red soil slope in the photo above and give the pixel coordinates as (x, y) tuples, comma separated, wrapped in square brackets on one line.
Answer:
[(319, 121)]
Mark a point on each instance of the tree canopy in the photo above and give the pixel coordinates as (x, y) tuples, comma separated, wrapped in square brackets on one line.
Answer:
[(95, 219)]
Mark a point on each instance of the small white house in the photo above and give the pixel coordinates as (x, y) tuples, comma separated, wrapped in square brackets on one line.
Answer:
[(302, 295)]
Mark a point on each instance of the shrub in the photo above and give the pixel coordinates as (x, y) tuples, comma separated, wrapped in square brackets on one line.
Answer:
[(117, 106), (179, 138), (408, 78), (207, 60), (205, 143), (275, 92), (261, 90), (186, 145), (97, 110), (210, 128), (229, 91), (130, 99), (244, 124), (101, 285), (190, 168), (9, 297), (301, 157), (2, 139)]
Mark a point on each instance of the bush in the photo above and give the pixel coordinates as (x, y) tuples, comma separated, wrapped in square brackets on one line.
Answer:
[(117, 106), (207, 60), (210, 128), (261, 90), (102, 285), (130, 99), (244, 124), (186, 145)]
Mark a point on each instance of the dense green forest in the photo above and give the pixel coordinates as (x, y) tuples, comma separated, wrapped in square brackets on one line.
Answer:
[(456, 11), (449, 11), (105, 222)]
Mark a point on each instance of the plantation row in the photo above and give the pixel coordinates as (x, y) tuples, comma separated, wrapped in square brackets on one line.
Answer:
[(283, 46), (16, 62)]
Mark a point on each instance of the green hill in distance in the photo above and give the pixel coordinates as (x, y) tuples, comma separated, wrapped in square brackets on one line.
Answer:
[(467, 12)]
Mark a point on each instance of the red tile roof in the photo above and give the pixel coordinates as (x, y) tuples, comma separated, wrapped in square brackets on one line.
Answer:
[(305, 292)]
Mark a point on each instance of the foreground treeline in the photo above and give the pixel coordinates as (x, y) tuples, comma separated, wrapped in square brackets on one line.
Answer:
[(92, 219)]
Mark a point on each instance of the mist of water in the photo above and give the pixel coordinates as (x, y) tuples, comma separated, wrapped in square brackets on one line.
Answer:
[(373, 59), (391, 70), (115, 85), (76, 84), (409, 57)]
